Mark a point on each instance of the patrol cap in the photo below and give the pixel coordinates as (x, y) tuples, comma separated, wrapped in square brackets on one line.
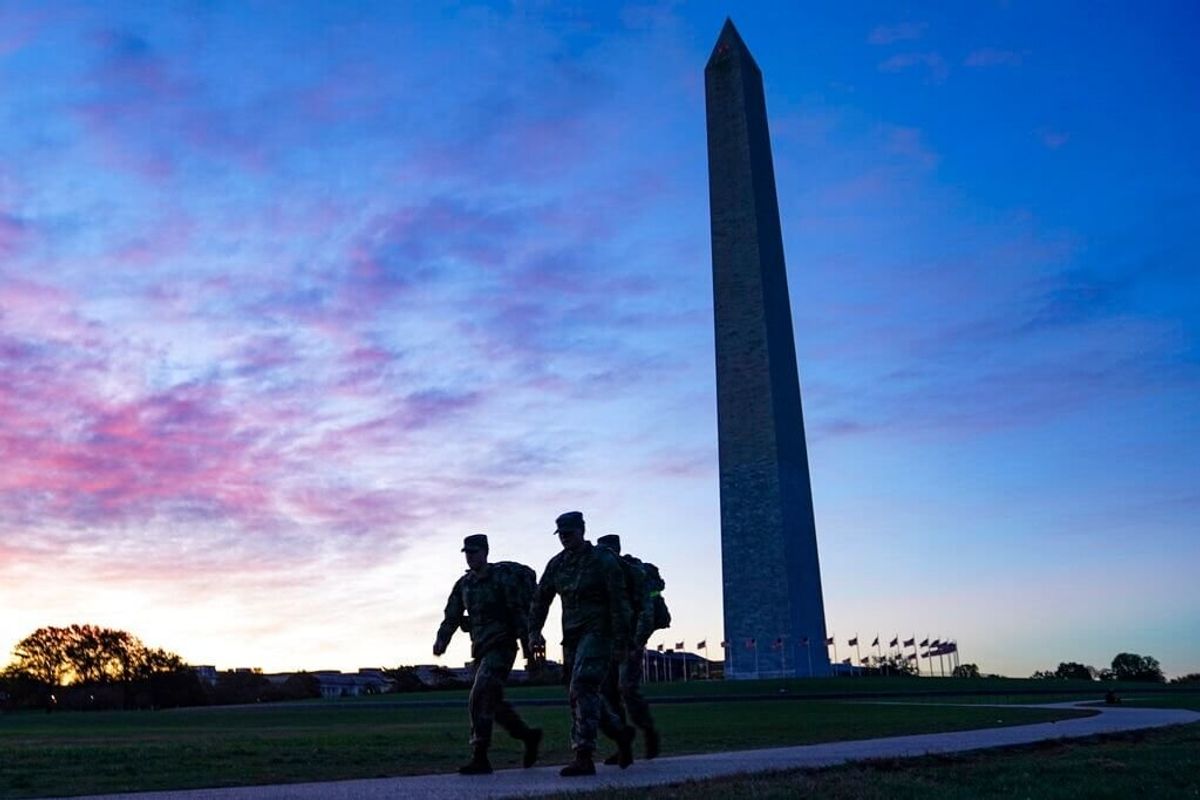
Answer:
[(570, 521), (476, 541), (610, 540)]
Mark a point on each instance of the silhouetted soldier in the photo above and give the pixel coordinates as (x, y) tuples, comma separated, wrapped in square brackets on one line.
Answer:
[(623, 686), (495, 600), (595, 622)]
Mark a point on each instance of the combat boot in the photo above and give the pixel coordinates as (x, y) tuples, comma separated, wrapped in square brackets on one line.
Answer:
[(582, 765), (653, 742), (478, 765), (533, 741)]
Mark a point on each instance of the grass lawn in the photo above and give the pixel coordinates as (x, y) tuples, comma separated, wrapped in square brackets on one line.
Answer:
[(1158, 763), (79, 753)]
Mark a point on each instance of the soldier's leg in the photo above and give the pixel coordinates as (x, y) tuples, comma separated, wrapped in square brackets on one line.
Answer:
[(502, 711), (486, 693), (583, 740), (630, 680), (610, 689), (593, 662), (586, 703), (635, 702), (481, 706)]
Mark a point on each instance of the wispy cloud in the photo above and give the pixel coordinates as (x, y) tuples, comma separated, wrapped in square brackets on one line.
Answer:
[(993, 57), (899, 32), (937, 67)]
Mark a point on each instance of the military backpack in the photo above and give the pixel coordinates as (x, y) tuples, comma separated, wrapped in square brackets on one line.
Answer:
[(655, 585), (522, 578)]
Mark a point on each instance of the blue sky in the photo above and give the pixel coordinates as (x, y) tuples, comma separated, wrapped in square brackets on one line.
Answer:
[(294, 296)]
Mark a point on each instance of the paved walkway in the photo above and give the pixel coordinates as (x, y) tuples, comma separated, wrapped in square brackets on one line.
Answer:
[(545, 780)]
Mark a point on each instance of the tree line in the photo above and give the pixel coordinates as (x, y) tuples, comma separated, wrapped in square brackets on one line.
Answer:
[(88, 666), (1125, 667)]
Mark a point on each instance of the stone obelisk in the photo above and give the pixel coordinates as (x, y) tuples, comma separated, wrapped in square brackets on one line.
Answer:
[(774, 611)]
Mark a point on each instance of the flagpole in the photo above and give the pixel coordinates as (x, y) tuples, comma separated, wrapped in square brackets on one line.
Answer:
[(916, 655)]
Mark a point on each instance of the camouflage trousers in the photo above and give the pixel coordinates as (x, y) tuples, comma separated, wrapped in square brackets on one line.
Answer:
[(586, 663), (486, 704), (623, 690)]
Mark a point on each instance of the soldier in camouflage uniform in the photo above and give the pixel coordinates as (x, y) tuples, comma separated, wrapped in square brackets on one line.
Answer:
[(595, 621), (497, 620), (623, 687)]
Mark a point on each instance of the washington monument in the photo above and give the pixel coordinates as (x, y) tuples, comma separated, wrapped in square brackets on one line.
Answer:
[(774, 611)]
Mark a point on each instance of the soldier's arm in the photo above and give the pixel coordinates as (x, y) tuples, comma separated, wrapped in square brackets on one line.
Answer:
[(452, 618), (543, 596), (645, 611), (618, 601)]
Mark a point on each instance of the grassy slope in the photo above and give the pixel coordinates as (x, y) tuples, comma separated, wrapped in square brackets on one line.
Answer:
[(104, 752)]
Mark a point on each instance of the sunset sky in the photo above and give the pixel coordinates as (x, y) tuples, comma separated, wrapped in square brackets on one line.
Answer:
[(295, 295)]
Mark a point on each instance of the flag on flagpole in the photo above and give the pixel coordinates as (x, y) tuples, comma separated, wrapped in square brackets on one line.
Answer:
[(911, 656), (854, 642), (703, 644), (829, 641), (876, 642), (867, 660), (724, 644), (894, 642), (925, 642), (679, 645), (846, 661), (936, 643), (910, 642), (660, 648)]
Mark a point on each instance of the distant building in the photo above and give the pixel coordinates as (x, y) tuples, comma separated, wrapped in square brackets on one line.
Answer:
[(333, 683), (207, 673)]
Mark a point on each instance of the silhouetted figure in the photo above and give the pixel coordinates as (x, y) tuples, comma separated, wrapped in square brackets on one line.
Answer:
[(595, 621), (494, 599), (623, 685)]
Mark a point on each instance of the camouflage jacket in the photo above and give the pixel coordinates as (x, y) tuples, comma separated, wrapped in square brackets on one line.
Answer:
[(488, 605), (594, 597), (640, 600)]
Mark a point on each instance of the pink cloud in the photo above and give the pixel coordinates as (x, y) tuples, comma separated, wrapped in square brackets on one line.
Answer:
[(14, 233), (75, 456)]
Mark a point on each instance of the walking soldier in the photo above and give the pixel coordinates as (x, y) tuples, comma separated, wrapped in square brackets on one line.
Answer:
[(491, 602)]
